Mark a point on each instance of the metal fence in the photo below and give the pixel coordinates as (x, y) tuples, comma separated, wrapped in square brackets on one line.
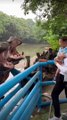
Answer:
[(19, 102)]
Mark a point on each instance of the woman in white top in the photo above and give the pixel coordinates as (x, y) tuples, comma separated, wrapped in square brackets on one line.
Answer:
[(61, 84)]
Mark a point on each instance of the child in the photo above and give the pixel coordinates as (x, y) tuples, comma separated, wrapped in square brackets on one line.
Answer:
[(62, 50), (62, 53)]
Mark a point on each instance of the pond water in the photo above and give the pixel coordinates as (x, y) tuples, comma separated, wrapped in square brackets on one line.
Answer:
[(32, 49)]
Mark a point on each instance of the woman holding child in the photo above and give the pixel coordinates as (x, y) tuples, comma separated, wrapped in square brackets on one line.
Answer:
[(61, 77)]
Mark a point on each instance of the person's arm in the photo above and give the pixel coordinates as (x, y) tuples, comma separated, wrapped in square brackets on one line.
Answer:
[(57, 72), (58, 57), (62, 67), (43, 60)]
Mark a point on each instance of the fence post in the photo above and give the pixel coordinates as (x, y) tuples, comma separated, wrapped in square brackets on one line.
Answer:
[(40, 79), (28, 62)]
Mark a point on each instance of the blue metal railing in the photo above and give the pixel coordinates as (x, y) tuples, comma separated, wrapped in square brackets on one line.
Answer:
[(21, 101)]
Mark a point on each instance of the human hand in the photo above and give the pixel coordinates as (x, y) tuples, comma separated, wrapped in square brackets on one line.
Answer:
[(61, 56), (42, 60), (56, 59)]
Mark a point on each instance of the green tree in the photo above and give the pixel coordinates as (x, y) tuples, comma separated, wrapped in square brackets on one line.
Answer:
[(27, 30), (49, 8), (53, 16)]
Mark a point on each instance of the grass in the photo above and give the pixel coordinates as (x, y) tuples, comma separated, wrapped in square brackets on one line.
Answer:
[(44, 113)]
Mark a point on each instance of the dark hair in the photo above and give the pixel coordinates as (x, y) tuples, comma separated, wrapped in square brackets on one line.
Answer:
[(50, 49), (64, 38)]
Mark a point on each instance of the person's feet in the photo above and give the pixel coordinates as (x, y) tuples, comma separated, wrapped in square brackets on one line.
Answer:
[(55, 118)]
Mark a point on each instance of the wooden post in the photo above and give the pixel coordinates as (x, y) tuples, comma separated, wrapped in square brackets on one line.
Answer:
[(28, 62)]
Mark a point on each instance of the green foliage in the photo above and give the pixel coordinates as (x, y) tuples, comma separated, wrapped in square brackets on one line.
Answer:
[(51, 8), (55, 13), (27, 30), (50, 30), (53, 41)]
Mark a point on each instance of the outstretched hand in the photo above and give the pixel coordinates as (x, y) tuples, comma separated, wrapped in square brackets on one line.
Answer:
[(43, 60)]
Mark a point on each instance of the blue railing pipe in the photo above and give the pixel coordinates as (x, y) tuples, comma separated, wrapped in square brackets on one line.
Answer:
[(16, 109), (32, 104), (23, 106), (9, 96), (49, 62), (14, 100), (46, 83), (13, 81), (40, 78), (26, 106), (64, 100)]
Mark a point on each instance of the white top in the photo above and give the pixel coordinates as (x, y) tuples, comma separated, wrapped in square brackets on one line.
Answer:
[(63, 69)]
